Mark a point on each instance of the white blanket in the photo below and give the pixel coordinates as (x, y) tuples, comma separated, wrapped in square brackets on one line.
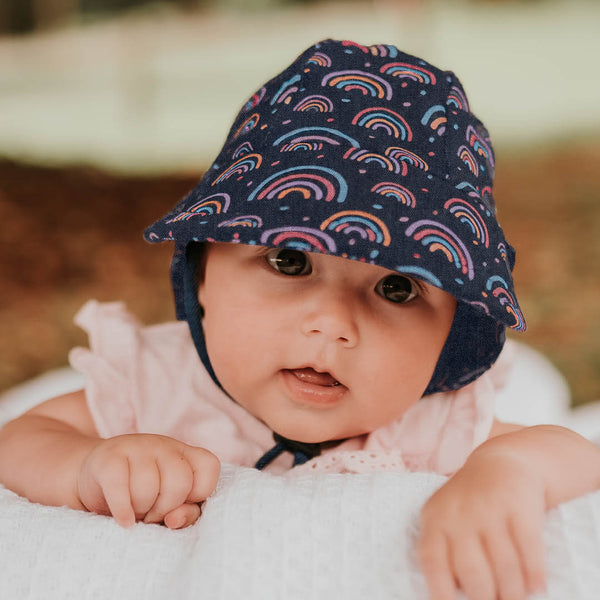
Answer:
[(264, 537)]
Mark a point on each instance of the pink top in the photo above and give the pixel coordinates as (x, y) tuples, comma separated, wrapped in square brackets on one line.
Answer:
[(150, 380)]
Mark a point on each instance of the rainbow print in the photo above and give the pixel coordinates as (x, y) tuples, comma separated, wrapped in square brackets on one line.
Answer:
[(366, 83), (466, 156), (242, 150), (457, 98), (499, 288), (420, 273), (384, 118), (481, 305), (465, 213), (503, 252), (215, 204), (255, 99), (480, 145), (321, 59), (247, 163), (440, 238), (384, 50), (306, 144), (369, 157), (350, 43), (395, 190), (249, 124), (313, 138), (472, 192), (487, 198), (250, 221), (435, 117), (287, 88), (306, 239), (311, 181), (367, 226), (406, 158), (495, 279), (408, 71), (315, 103)]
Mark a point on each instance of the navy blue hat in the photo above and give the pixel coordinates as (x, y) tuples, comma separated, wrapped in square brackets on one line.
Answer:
[(369, 154)]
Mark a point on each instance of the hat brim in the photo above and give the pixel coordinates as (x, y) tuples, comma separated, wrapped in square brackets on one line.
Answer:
[(427, 228)]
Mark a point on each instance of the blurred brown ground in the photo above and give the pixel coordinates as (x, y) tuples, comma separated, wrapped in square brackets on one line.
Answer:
[(73, 234)]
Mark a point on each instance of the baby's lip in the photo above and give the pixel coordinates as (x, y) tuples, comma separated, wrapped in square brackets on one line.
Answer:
[(315, 376), (313, 385)]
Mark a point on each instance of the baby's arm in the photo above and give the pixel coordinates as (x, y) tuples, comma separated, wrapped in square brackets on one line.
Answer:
[(53, 455), (482, 531)]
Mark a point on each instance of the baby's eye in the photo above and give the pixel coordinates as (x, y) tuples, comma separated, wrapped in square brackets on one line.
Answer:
[(397, 288), (289, 262)]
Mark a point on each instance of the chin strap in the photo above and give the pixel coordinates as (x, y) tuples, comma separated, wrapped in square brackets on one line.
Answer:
[(302, 451)]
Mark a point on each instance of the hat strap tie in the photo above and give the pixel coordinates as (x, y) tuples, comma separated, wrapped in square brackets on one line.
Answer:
[(302, 451)]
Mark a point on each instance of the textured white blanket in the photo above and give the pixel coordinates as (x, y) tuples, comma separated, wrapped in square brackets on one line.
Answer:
[(264, 537)]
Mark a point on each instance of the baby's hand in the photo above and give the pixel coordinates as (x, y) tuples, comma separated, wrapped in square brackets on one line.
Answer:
[(147, 477), (482, 531)]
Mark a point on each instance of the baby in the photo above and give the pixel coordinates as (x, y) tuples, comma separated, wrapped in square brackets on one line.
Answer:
[(346, 287)]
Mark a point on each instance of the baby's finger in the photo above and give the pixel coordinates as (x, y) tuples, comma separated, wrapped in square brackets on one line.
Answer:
[(505, 562), (144, 484), (115, 488), (176, 482), (434, 561), (206, 468), (472, 569), (528, 536), (183, 516)]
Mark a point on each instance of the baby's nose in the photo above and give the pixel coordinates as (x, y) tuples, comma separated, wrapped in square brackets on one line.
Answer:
[(333, 319)]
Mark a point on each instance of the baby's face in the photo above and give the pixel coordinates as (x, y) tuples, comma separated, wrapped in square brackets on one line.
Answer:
[(319, 347)]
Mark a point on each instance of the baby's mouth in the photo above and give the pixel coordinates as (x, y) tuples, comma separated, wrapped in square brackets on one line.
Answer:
[(310, 375), (310, 386)]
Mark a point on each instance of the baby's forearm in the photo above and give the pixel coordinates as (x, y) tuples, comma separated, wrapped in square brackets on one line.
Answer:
[(40, 459), (568, 463)]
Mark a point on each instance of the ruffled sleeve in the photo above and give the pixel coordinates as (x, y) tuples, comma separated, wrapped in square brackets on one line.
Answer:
[(150, 380), (108, 366)]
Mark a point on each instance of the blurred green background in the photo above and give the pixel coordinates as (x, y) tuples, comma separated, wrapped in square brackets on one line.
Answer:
[(111, 109)]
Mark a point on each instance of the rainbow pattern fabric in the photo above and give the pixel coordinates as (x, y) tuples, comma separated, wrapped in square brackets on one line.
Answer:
[(362, 152)]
